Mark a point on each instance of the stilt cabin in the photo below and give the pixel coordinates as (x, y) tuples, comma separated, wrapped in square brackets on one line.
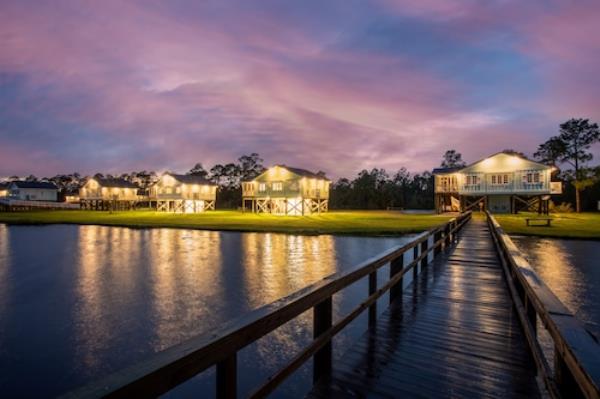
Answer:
[(183, 194), (501, 183), (108, 194), (283, 190)]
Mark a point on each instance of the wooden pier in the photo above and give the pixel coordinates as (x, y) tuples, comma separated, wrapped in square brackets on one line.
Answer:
[(453, 333), (467, 326)]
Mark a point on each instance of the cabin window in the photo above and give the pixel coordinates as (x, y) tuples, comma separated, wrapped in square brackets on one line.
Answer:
[(500, 179), (262, 187), (532, 177), (472, 179), (278, 186)]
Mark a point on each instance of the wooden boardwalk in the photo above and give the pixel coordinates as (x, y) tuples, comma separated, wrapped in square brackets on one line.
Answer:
[(454, 333)]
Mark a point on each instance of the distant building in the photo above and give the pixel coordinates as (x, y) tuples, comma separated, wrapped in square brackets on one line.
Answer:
[(183, 194), (284, 190), (108, 194), (72, 196), (33, 191), (502, 183), (4, 190)]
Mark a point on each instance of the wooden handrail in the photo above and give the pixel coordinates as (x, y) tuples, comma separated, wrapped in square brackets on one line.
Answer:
[(173, 366), (576, 351)]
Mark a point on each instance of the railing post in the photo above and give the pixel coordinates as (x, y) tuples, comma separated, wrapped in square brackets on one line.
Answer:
[(396, 267), (424, 246), (416, 266), (447, 240), (322, 319), (372, 289), (437, 246), (566, 384), (531, 314), (227, 377)]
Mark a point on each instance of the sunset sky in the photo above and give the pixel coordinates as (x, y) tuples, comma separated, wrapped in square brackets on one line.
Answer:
[(115, 86)]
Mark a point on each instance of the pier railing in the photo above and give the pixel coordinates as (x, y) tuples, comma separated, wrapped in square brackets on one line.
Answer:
[(576, 369), (171, 367)]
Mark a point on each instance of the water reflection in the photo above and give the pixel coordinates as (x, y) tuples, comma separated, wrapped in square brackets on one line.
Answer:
[(4, 265), (570, 269), (276, 265), (99, 299), (185, 269)]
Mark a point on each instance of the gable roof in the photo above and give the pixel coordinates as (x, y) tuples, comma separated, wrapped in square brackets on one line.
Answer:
[(191, 179), (302, 172), (35, 184), (441, 171), (508, 155), (115, 183)]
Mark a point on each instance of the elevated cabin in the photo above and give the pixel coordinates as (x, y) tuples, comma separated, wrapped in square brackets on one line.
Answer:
[(33, 191), (502, 183), (283, 190), (4, 190), (183, 194), (108, 194)]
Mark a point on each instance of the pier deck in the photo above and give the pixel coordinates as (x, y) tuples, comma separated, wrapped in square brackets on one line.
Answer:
[(454, 333)]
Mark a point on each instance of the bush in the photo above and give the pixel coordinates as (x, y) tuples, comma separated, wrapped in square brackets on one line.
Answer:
[(564, 207)]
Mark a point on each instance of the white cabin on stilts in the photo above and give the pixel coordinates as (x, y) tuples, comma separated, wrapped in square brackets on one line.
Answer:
[(501, 183)]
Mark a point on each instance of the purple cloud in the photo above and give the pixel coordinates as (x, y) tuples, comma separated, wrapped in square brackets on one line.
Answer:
[(116, 86)]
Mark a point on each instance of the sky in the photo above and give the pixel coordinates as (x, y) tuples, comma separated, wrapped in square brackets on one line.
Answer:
[(339, 86)]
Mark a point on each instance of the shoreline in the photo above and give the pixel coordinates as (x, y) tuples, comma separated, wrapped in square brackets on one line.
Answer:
[(342, 223)]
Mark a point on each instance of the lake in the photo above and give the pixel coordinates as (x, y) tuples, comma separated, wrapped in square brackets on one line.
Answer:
[(80, 302), (571, 268)]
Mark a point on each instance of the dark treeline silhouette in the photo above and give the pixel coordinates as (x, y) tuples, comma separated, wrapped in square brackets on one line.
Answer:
[(376, 189)]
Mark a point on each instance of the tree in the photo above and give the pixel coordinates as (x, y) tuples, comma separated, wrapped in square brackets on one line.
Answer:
[(452, 159), (250, 166), (198, 170), (551, 151), (571, 146)]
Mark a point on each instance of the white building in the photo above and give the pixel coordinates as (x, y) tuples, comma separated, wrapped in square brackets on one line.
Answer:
[(502, 183), (32, 191)]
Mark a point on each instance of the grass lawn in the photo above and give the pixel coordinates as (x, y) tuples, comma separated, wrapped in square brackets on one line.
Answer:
[(565, 225), (346, 222)]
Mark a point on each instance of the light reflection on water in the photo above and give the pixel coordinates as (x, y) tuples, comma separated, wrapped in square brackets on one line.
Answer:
[(570, 269), (78, 302)]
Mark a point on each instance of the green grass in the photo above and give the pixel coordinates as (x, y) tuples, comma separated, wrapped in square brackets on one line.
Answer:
[(349, 222), (564, 225)]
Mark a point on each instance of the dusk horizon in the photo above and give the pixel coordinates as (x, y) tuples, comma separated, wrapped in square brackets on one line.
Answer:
[(340, 87)]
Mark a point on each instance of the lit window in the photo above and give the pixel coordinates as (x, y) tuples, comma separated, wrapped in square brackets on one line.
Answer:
[(278, 186), (262, 187)]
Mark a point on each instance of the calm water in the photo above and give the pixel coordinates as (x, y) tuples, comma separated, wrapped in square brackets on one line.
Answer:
[(571, 268), (79, 302)]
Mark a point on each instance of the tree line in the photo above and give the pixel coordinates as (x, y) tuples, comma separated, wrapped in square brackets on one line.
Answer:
[(380, 189)]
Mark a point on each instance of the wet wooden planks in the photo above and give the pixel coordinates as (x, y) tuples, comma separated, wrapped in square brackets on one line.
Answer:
[(454, 333)]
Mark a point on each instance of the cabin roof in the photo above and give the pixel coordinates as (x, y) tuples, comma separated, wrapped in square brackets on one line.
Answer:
[(191, 179), (297, 171), (441, 171), (303, 172), (35, 184), (115, 183), (438, 171)]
